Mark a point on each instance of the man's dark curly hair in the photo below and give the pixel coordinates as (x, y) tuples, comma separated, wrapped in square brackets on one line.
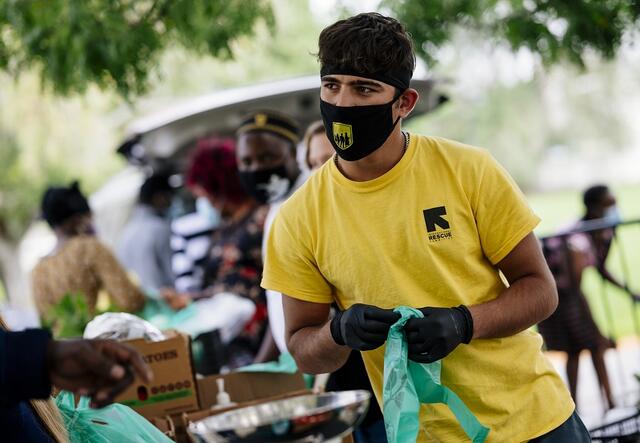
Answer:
[(367, 43)]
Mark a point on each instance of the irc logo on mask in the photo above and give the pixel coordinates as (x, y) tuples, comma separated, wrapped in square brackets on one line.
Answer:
[(342, 135)]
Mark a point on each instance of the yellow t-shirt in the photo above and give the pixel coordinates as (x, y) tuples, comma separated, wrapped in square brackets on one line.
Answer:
[(426, 233)]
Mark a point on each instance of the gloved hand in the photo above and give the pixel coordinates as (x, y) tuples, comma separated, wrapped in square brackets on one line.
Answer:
[(437, 334), (362, 327)]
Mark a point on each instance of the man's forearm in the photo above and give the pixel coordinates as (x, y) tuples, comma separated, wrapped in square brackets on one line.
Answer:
[(528, 301), (315, 351)]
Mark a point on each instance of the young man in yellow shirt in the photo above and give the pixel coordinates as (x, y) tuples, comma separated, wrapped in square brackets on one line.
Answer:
[(400, 219)]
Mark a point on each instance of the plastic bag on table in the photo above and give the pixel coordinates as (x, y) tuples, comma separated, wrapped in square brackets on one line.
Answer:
[(121, 326), (113, 423)]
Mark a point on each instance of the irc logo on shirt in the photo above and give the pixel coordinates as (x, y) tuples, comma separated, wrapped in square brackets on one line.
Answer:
[(437, 226), (342, 135)]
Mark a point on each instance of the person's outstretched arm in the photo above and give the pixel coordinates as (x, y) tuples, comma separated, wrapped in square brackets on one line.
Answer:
[(530, 298), (30, 362)]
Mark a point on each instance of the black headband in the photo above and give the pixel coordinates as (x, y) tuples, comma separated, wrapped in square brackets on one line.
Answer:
[(398, 77)]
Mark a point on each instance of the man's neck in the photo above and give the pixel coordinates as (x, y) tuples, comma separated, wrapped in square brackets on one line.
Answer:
[(378, 162)]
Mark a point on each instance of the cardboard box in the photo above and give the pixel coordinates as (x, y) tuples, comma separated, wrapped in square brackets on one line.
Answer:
[(173, 389), (166, 426), (243, 387)]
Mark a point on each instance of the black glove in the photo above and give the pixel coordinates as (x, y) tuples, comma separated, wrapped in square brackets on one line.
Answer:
[(362, 327), (438, 333)]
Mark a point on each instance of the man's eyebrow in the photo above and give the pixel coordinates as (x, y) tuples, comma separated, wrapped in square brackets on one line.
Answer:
[(328, 78), (365, 83), (370, 83)]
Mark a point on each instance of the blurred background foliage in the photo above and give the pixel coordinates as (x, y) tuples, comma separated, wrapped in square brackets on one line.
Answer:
[(116, 44), (556, 30)]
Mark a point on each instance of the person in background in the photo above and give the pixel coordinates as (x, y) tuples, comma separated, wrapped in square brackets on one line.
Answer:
[(353, 374), (144, 247), (190, 243), (31, 362), (234, 263), (318, 147), (571, 328), (79, 262), (269, 171)]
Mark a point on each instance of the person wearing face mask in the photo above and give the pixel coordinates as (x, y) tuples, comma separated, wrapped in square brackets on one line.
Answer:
[(234, 262), (79, 262), (270, 172), (571, 328), (401, 219), (144, 247)]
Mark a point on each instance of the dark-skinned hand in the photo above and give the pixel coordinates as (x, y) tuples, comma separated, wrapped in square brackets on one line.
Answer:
[(100, 369)]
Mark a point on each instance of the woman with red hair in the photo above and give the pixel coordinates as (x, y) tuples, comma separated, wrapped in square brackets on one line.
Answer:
[(235, 261)]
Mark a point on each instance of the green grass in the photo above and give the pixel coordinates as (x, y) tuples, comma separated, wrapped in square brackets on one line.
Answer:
[(611, 307)]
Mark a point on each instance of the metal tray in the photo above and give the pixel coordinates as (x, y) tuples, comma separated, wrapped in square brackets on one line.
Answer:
[(305, 418)]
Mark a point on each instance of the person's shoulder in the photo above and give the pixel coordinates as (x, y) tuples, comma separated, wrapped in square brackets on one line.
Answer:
[(88, 245), (450, 149)]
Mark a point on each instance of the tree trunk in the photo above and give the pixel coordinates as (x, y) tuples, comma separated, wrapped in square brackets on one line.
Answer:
[(13, 278)]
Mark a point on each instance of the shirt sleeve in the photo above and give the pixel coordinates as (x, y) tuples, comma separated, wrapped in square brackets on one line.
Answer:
[(115, 281), (290, 267), (503, 216), (23, 369)]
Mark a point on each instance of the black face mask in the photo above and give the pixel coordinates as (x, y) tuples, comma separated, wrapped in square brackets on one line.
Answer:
[(267, 185), (357, 131)]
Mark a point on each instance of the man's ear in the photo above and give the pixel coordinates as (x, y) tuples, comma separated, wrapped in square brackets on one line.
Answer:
[(407, 102)]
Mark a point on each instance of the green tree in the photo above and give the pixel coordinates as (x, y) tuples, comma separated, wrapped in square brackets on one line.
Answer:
[(554, 29), (115, 44)]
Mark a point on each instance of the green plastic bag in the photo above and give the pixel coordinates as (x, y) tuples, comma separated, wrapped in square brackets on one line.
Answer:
[(407, 384), (113, 423), (285, 364)]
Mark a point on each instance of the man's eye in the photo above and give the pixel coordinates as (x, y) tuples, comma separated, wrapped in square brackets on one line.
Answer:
[(330, 86), (364, 90)]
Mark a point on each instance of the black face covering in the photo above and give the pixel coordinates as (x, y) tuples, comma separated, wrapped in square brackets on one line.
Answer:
[(267, 185), (357, 131)]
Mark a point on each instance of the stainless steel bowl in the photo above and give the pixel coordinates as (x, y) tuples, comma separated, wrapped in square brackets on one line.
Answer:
[(304, 418)]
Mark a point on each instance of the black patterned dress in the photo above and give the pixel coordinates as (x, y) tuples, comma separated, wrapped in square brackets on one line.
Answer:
[(571, 328)]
